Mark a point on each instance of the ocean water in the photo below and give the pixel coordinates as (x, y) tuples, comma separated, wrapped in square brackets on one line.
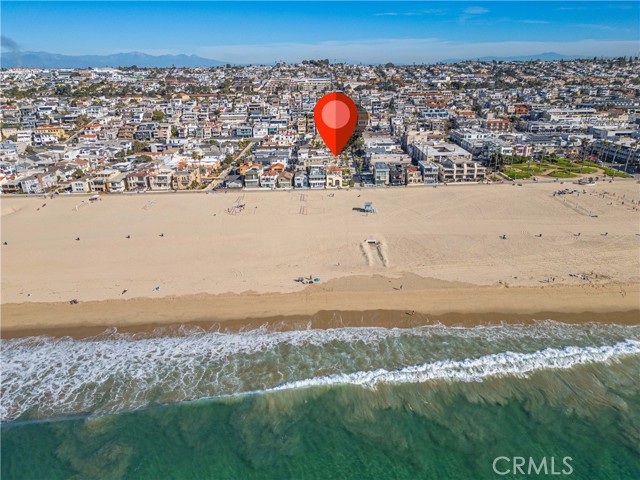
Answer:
[(425, 402)]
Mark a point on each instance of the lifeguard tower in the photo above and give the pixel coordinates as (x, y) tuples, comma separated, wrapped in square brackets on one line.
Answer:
[(369, 208)]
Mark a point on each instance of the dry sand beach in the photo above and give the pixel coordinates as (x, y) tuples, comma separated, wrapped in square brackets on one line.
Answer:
[(440, 251)]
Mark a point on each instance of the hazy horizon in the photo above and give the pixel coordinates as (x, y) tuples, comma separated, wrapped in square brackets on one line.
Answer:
[(367, 32)]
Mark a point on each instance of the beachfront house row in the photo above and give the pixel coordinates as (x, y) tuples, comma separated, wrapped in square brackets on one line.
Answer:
[(316, 176), (429, 171), (300, 179), (334, 177), (380, 174)]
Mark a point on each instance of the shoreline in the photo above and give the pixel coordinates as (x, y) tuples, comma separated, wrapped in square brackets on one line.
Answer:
[(329, 307), (331, 319)]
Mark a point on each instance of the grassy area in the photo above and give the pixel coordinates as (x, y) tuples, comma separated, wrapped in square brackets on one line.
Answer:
[(615, 173), (535, 168), (580, 169), (592, 164), (562, 168), (516, 174), (561, 174)]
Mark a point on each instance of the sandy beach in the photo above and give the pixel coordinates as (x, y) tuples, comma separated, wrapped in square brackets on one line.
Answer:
[(202, 257)]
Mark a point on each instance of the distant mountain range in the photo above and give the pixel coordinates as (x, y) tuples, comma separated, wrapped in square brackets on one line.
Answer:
[(54, 60), (11, 59), (547, 56)]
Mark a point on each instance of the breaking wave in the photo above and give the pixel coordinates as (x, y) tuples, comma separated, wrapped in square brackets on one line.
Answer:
[(47, 377), (476, 369)]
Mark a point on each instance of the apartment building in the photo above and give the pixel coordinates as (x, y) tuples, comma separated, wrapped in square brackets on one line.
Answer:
[(460, 170)]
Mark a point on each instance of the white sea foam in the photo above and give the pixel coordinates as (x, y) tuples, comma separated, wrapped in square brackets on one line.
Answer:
[(477, 369), (43, 377)]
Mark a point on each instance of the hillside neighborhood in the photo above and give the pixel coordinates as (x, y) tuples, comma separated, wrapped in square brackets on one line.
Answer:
[(114, 130)]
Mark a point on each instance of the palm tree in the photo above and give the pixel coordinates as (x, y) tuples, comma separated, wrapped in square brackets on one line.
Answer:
[(615, 155), (633, 148)]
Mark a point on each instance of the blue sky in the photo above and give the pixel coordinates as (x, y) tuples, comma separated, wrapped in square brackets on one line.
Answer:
[(264, 32)]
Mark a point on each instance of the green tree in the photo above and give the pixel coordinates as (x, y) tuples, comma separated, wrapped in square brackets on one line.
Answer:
[(139, 146), (157, 116), (81, 121)]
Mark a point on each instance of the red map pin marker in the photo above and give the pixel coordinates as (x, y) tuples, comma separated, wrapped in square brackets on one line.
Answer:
[(336, 117)]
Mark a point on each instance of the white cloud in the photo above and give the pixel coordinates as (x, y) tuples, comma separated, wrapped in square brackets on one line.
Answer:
[(536, 22), (430, 11), (597, 26), (471, 12), (475, 10)]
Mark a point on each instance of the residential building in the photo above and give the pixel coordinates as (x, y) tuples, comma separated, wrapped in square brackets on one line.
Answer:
[(413, 175), (233, 181), (268, 179), (185, 179), (459, 170), (252, 176), (138, 181), (301, 179), (161, 180), (429, 172), (285, 179), (381, 174), (397, 174), (316, 176), (333, 177)]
